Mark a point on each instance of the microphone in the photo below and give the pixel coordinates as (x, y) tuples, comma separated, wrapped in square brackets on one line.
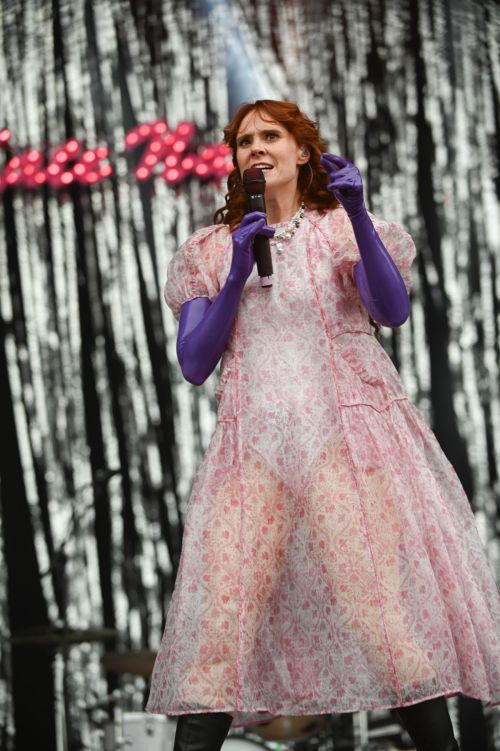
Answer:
[(255, 186)]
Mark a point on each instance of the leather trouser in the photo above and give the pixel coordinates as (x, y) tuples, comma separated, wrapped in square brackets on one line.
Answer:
[(429, 726), (206, 731)]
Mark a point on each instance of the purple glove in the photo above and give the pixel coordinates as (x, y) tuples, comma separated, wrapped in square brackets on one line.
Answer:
[(204, 327), (377, 278)]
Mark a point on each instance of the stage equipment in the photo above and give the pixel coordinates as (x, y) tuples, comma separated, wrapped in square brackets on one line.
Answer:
[(137, 663), (234, 743), (286, 728), (59, 636), (138, 731), (60, 639)]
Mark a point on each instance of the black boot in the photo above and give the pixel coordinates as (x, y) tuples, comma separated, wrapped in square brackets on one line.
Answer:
[(429, 726), (201, 732)]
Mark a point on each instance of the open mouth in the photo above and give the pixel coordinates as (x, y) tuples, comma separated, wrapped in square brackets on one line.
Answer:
[(262, 166)]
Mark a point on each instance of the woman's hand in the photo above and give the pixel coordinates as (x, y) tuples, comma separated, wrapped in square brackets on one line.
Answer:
[(252, 224), (345, 183)]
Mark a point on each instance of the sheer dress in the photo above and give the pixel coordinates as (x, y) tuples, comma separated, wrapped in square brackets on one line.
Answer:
[(330, 558)]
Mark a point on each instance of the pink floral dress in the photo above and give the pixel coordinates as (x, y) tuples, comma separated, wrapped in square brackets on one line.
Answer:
[(330, 558)]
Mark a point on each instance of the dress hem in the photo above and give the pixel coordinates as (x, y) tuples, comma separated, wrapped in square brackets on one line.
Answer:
[(284, 712)]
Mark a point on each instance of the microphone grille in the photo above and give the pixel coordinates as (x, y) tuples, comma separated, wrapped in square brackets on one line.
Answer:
[(254, 180)]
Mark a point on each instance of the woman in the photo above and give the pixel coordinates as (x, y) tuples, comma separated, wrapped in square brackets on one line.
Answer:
[(330, 558)]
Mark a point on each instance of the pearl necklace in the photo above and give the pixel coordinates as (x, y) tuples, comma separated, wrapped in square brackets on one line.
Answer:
[(290, 229)]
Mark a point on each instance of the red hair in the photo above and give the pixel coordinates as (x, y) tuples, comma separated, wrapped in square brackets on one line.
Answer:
[(312, 180)]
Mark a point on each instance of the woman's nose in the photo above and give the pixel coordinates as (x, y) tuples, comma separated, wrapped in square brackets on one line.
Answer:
[(257, 148)]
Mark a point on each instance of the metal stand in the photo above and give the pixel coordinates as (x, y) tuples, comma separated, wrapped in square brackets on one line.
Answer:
[(59, 708)]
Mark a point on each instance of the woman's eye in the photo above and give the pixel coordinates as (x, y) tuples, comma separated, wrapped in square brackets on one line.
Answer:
[(243, 142), (272, 135)]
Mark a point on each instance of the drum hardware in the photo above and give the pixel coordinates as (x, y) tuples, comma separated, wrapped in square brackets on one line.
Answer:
[(139, 662), (99, 716), (138, 731), (107, 720), (236, 743), (287, 728), (103, 703), (115, 726), (61, 637), (285, 733), (58, 636), (377, 726)]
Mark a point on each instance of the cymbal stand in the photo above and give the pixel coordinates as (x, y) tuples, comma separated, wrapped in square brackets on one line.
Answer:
[(59, 705), (116, 739), (63, 741), (363, 738), (370, 728), (57, 568), (105, 723)]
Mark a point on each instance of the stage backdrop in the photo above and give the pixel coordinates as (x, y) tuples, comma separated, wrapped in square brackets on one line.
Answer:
[(110, 116)]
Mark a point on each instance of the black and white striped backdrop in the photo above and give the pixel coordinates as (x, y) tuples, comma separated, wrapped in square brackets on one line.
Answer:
[(100, 435)]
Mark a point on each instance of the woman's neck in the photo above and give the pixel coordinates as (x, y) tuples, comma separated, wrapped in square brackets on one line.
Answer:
[(281, 208)]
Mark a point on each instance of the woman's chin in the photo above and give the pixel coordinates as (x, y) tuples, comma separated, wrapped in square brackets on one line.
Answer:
[(275, 188)]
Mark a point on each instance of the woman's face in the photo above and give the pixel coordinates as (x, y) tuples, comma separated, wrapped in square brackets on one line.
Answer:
[(267, 144)]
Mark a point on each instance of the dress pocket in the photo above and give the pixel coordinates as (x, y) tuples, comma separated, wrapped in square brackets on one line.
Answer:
[(365, 373)]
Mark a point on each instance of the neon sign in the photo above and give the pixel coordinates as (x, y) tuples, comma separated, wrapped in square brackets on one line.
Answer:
[(166, 154)]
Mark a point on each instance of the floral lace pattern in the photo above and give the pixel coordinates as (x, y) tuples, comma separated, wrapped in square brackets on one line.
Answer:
[(330, 558)]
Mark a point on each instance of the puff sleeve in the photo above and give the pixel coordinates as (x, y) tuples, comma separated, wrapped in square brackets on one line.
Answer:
[(336, 228), (399, 245), (194, 269)]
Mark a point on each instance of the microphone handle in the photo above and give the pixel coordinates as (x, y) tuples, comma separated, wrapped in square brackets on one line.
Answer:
[(261, 249)]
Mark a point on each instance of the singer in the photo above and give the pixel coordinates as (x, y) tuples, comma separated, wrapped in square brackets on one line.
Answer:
[(330, 559)]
